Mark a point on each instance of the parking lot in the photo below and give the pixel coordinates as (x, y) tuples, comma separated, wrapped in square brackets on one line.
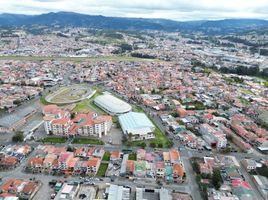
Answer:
[(114, 136)]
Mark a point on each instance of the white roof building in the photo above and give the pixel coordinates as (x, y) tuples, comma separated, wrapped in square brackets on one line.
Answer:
[(136, 124), (112, 104), (118, 193)]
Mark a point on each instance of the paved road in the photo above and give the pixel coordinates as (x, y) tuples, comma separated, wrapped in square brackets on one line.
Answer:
[(190, 187), (249, 180)]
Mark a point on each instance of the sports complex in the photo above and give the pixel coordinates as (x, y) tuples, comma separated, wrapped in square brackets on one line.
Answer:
[(70, 94)]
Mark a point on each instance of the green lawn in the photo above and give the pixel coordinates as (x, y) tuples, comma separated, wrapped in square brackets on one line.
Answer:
[(88, 105), (266, 83), (244, 101), (137, 108), (106, 156), (43, 101), (54, 139), (102, 170), (87, 141), (249, 92), (132, 156), (160, 139)]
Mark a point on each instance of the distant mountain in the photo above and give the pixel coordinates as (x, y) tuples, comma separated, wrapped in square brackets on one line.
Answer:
[(119, 23)]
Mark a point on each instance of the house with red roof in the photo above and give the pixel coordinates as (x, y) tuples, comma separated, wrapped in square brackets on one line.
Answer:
[(58, 122), (64, 158), (130, 167), (178, 172), (35, 164), (23, 189), (93, 165), (8, 162)]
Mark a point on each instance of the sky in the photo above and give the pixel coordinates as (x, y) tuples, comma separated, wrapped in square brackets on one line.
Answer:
[(180, 10)]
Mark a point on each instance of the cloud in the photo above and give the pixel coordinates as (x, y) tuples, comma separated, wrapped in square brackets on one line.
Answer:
[(172, 9)]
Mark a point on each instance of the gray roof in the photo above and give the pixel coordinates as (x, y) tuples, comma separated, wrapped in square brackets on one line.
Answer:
[(135, 120), (34, 124), (13, 118), (112, 104)]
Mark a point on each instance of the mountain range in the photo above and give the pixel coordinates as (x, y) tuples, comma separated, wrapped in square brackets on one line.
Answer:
[(119, 23)]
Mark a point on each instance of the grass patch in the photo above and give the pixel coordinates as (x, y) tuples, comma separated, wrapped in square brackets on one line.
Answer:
[(160, 139), (137, 109), (266, 84), (249, 92), (106, 156), (43, 101), (115, 119), (87, 141), (88, 105), (208, 70), (132, 156), (54, 140), (102, 169), (140, 143), (244, 101), (196, 105)]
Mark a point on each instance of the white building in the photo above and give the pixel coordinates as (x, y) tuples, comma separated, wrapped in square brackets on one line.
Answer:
[(112, 104), (138, 124), (118, 193), (90, 124)]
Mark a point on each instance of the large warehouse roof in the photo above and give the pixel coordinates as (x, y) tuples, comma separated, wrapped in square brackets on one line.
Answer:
[(135, 120), (112, 104)]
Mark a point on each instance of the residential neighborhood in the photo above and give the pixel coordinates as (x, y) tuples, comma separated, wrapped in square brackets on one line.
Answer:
[(129, 108)]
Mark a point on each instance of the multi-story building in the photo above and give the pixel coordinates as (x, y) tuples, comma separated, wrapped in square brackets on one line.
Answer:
[(58, 122), (213, 136)]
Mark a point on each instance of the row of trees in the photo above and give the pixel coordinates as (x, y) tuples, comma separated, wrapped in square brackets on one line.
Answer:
[(18, 137)]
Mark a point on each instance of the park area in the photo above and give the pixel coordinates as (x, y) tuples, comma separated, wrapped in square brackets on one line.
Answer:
[(88, 104), (53, 140), (70, 94)]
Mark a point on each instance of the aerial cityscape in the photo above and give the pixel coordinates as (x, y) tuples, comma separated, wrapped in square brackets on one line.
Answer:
[(133, 101)]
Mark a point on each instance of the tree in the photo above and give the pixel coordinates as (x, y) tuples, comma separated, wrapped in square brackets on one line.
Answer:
[(143, 145), (263, 171), (70, 148), (18, 137), (17, 102), (196, 167), (124, 139), (152, 144), (216, 178), (72, 115), (174, 114), (130, 135)]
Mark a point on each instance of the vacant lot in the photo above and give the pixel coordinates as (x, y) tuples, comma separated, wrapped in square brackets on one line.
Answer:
[(54, 140), (87, 141), (102, 170)]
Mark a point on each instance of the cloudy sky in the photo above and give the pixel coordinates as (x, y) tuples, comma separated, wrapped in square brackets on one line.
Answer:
[(181, 10)]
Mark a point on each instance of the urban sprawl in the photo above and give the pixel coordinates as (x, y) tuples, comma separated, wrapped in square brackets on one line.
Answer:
[(132, 115)]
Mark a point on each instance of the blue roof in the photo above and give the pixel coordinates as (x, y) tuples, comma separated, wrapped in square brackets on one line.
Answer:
[(135, 120)]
